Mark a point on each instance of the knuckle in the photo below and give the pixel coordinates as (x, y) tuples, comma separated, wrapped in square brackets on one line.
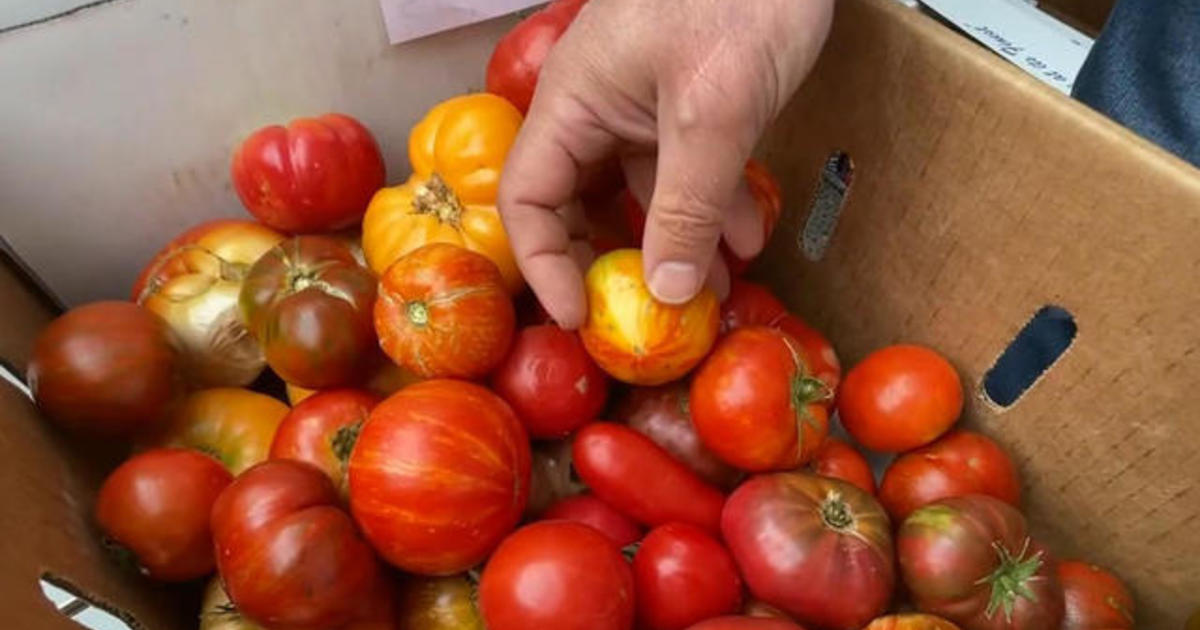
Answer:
[(686, 220)]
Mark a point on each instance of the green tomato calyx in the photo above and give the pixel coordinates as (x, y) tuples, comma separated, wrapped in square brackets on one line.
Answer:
[(1011, 578)]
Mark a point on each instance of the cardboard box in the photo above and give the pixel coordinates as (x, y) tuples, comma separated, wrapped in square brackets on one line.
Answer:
[(978, 196)]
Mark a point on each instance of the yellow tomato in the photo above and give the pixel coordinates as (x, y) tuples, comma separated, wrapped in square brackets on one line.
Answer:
[(465, 141), (234, 425), (636, 338)]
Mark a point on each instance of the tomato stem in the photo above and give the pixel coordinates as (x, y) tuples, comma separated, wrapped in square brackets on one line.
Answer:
[(418, 313), (836, 513), (435, 197), (1011, 578)]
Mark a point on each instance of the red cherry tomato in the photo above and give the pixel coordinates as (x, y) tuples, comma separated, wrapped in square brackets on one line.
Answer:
[(288, 555), (551, 381), (755, 404), (106, 368), (322, 430), (589, 510), (960, 463), (683, 576), (1095, 599), (560, 575), (639, 478), (745, 623), (513, 70), (839, 460), (315, 175), (156, 505), (900, 398)]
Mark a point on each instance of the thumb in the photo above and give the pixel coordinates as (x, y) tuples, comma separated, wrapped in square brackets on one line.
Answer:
[(700, 167)]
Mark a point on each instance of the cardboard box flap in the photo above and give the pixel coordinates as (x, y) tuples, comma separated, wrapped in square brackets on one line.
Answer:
[(978, 197)]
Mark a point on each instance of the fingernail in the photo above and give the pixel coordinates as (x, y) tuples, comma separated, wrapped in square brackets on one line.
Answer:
[(675, 282)]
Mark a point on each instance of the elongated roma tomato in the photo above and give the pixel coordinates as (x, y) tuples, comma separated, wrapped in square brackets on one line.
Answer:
[(557, 574), (233, 425), (839, 460), (289, 556), (322, 431), (818, 549), (636, 338), (755, 403), (912, 621), (638, 477), (440, 474), (443, 312), (315, 175), (156, 505), (959, 463), (1095, 599)]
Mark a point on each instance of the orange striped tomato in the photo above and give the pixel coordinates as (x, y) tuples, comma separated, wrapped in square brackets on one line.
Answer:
[(439, 476), (910, 622), (634, 337)]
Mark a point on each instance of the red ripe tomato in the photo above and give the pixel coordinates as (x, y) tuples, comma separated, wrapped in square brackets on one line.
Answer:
[(308, 302), (818, 549), (961, 462), (322, 430), (900, 398), (839, 460), (1095, 599), (443, 312), (639, 478), (551, 381), (911, 622), (591, 511), (156, 505), (560, 575), (106, 368), (817, 351), (755, 404), (745, 623), (315, 175), (517, 60), (663, 415), (288, 555), (440, 474), (683, 576), (970, 559)]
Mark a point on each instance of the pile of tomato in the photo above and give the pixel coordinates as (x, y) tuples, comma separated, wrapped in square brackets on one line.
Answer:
[(450, 459)]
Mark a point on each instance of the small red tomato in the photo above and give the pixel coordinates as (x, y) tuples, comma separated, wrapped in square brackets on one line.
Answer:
[(1095, 599), (517, 60), (589, 510), (443, 312), (560, 575), (683, 576), (639, 478), (315, 175), (156, 505), (663, 415), (900, 398), (322, 430), (745, 623), (308, 302), (106, 368), (288, 555), (839, 460), (439, 476), (551, 382), (755, 404), (960, 463)]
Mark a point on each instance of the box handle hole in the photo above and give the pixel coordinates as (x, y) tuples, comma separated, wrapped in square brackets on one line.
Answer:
[(71, 603), (1040, 344), (832, 188)]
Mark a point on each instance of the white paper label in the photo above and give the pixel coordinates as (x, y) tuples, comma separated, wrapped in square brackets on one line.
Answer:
[(1035, 41), (410, 19)]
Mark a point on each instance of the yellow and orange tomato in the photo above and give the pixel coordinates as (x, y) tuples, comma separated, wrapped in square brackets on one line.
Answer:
[(636, 338), (910, 621), (457, 153), (234, 425)]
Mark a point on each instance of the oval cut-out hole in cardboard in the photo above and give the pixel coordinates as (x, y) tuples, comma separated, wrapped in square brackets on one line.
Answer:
[(1036, 348), (832, 188), (71, 604)]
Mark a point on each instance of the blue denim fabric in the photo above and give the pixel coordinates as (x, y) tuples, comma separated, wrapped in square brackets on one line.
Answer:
[(1144, 72)]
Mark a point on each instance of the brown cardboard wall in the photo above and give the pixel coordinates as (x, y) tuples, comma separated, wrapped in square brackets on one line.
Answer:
[(1089, 15), (980, 196)]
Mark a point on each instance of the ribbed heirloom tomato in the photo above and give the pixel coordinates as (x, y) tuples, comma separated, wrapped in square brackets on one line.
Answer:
[(1095, 599), (322, 431), (457, 152), (315, 175), (308, 302), (959, 463), (755, 403), (233, 425), (443, 312), (440, 474), (634, 337), (818, 549)]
